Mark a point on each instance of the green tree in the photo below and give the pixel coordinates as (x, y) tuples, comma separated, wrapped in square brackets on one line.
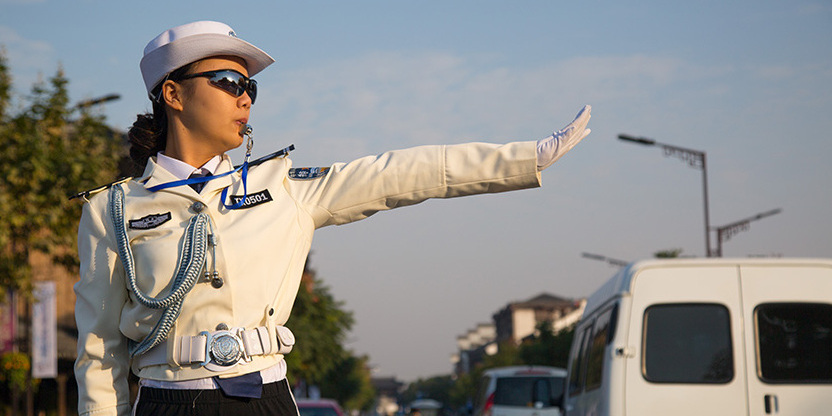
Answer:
[(463, 391), (46, 153), (5, 85), (349, 383), (320, 326), (437, 388), (507, 355), (548, 348), (668, 254)]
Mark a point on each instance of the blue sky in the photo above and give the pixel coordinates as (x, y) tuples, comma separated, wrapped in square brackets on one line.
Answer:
[(747, 82)]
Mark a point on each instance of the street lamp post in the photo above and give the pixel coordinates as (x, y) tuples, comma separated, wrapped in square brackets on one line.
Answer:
[(727, 231), (609, 260), (694, 159), (96, 101)]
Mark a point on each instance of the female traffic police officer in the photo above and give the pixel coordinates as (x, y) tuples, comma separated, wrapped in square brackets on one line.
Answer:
[(189, 288)]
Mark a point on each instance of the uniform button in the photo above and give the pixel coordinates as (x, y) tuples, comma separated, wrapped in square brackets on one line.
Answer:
[(217, 282), (198, 207)]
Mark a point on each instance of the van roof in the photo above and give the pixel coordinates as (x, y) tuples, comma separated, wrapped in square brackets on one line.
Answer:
[(525, 370), (621, 283)]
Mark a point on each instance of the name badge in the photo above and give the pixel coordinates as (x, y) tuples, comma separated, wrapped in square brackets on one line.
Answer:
[(252, 199)]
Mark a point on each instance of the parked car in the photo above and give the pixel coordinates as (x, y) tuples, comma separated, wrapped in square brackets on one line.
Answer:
[(521, 391), (706, 337), (319, 407)]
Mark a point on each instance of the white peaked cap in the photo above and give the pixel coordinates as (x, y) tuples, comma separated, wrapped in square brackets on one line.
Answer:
[(181, 45)]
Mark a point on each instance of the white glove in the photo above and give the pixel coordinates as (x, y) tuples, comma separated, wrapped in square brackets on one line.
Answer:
[(553, 147)]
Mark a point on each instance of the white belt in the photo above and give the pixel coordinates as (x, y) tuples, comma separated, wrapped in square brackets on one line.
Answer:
[(220, 350), (269, 375)]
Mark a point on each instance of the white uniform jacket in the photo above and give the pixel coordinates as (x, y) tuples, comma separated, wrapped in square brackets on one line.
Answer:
[(261, 251)]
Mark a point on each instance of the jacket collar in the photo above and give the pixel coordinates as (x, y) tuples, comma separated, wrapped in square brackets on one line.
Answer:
[(156, 175)]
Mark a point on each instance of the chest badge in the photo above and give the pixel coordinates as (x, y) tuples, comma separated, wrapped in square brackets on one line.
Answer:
[(252, 199), (149, 221)]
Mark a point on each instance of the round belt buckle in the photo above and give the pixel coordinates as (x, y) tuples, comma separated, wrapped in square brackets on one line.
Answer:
[(225, 350)]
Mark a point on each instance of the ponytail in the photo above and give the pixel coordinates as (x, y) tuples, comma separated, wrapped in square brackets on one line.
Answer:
[(148, 135)]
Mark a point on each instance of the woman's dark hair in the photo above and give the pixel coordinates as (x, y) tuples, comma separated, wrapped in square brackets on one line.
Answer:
[(149, 133)]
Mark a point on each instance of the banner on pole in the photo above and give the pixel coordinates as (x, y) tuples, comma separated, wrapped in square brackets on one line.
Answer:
[(44, 332)]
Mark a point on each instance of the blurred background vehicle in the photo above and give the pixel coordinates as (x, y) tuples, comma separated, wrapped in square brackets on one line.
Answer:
[(425, 407), (521, 391), (319, 407)]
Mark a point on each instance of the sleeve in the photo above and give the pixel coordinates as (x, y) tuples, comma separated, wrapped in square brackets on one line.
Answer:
[(354, 191), (102, 366)]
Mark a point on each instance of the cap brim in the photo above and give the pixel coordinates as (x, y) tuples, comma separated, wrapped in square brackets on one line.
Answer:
[(166, 59)]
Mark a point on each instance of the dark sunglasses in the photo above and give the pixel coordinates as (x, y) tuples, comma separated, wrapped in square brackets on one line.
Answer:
[(229, 80)]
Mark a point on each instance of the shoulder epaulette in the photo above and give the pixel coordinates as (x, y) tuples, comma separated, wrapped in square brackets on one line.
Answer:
[(280, 153), (86, 194)]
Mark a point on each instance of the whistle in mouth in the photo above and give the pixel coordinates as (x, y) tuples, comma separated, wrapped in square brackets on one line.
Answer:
[(246, 129)]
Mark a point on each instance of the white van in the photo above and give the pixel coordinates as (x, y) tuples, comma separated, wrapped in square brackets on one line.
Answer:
[(706, 337)]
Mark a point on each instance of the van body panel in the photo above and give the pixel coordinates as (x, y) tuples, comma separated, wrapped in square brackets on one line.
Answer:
[(790, 285), (711, 285), (689, 335)]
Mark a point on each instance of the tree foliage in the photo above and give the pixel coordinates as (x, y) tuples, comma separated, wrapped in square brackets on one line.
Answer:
[(48, 151), (668, 254), (548, 348), (349, 383), (438, 388), (319, 358)]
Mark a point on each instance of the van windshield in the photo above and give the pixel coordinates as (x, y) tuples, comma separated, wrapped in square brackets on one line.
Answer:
[(526, 391)]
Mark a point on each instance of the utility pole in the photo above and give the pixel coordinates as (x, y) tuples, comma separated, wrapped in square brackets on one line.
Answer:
[(694, 159)]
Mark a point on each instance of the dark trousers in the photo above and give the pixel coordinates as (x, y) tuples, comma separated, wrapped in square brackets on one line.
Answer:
[(277, 400)]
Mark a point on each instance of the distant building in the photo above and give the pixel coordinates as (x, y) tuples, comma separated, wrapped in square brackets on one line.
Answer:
[(514, 323), (388, 390), (473, 346), (518, 320)]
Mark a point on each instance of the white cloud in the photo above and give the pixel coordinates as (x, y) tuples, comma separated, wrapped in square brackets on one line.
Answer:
[(383, 100), (27, 58)]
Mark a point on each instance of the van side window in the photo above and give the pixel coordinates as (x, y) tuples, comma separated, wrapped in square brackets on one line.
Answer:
[(687, 343), (576, 370), (794, 342), (598, 344)]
